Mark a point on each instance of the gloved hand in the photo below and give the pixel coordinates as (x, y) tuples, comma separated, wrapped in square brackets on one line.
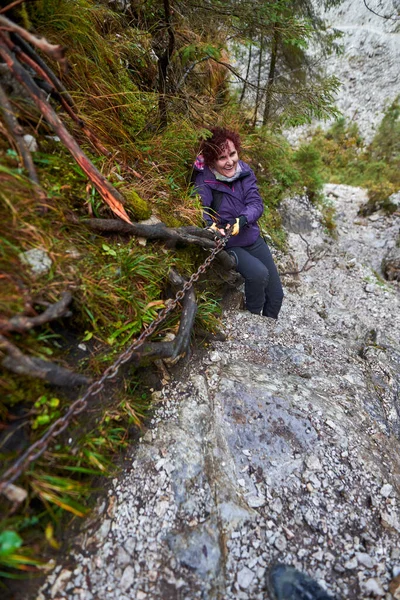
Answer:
[(217, 231), (237, 225)]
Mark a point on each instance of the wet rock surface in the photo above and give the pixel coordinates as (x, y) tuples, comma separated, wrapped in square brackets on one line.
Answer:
[(279, 445)]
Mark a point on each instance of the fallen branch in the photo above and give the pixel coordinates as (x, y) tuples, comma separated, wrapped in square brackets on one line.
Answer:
[(111, 196), (19, 363), (23, 323)]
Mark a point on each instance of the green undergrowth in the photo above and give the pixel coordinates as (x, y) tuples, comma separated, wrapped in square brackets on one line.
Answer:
[(344, 158), (118, 285)]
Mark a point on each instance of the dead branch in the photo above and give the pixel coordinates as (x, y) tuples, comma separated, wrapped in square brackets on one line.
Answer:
[(111, 196), (24, 51), (10, 6), (311, 261), (16, 132), (54, 51), (186, 235), (19, 363), (21, 323)]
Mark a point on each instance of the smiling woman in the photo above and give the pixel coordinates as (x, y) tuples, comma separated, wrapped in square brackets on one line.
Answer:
[(229, 193)]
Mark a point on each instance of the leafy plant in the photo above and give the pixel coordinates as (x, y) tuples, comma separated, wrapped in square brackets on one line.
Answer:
[(13, 556)]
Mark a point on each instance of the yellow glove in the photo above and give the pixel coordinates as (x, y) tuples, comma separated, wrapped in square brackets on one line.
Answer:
[(217, 231), (237, 224)]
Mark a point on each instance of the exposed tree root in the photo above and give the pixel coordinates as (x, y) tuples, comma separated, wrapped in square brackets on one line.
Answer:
[(24, 323), (186, 235), (172, 351), (19, 363)]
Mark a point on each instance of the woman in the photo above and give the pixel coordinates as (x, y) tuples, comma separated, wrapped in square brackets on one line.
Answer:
[(231, 200)]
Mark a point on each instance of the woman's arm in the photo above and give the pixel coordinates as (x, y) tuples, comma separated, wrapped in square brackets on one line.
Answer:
[(206, 197), (253, 203)]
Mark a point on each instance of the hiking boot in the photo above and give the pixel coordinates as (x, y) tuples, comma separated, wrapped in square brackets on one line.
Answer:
[(287, 583)]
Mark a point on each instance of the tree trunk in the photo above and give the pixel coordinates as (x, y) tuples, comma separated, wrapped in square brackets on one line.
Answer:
[(247, 75), (271, 74), (163, 63), (258, 93)]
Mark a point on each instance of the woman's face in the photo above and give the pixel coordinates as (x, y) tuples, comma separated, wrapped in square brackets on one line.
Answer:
[(227, 160)]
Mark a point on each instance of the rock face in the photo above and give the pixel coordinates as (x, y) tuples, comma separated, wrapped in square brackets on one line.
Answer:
[(281, 444), (368, 68)]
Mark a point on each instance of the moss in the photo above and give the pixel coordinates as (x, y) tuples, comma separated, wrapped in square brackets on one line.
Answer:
[(140, 207)]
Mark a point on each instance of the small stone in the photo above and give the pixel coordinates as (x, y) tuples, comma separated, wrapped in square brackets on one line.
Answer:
[(372, 587), (127, 579), (37, 259), (365, 559), (280, 543), (245, 577), (122, 558), (159, 464), (313, 463), (14, 493), (255, 501), (351, 564), (289, 534), (31, 143), (277, 506), (215, 356), (319, 555), (242, 483), (386, 490)]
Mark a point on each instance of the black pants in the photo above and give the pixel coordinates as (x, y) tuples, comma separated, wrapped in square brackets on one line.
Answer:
[(263, 288)]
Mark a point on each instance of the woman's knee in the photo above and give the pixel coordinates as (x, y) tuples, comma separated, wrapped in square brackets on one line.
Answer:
[(258, 275)]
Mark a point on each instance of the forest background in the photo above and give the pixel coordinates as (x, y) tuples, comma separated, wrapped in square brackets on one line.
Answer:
[(144, 81)]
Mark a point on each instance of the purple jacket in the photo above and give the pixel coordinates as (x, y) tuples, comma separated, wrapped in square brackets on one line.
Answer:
[(242, 198)]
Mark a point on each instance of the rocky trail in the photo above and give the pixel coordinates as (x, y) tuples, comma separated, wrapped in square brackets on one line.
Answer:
[(279, 444)]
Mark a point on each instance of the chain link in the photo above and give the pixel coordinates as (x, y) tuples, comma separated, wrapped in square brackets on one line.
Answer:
[(37, 448)]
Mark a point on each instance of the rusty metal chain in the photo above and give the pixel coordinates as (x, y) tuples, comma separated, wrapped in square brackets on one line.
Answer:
[(38, 447)]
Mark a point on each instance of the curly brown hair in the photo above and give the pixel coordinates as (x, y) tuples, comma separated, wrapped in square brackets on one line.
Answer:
[(212, 147)]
